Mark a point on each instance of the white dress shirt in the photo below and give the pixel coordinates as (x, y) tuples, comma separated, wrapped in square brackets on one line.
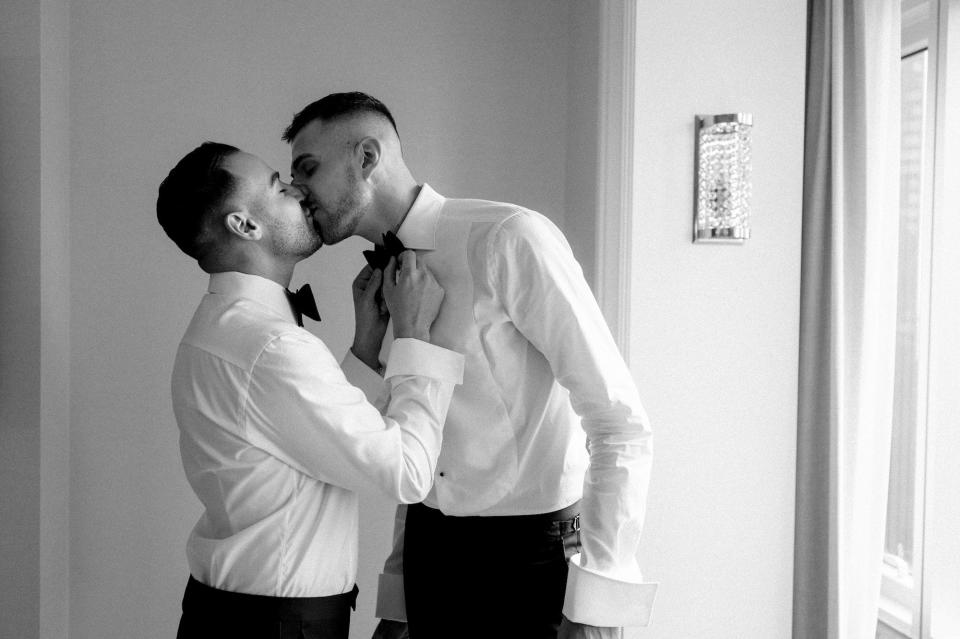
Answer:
[(544, 383), (276, 442)]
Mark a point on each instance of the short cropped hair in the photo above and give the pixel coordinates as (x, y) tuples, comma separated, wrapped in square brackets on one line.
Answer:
[(195, 189), (334, 106)]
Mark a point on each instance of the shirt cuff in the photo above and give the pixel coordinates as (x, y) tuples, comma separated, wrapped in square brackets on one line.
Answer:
[(410, 356), (390, 599), (363, 377), (596, 600)]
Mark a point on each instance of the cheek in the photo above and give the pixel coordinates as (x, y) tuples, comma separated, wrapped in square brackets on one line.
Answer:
[(338, 198), (322, 188)]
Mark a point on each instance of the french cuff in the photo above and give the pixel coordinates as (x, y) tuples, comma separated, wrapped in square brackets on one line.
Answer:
[(390, 601), (410, 356), (363, 377), (596, 600)]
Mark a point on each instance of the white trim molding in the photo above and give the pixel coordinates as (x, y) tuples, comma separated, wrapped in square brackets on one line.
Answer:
[(615, 165)]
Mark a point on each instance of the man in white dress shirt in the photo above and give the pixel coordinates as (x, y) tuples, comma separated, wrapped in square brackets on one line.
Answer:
[(533, 523), (275, 441)]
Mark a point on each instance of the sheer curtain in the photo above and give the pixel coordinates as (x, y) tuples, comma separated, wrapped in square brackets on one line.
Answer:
[(848, 312)]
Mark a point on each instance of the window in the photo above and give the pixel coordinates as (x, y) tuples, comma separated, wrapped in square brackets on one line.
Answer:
[(916, 601), (901, 596)]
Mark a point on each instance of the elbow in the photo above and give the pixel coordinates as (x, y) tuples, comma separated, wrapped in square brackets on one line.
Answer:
[(413, 493), (415, 485), (618, 419), (626, 433)]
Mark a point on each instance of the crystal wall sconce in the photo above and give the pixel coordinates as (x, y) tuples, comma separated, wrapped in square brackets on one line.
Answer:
[(722, 195)]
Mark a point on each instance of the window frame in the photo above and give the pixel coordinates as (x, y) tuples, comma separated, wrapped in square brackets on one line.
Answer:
[(903, 608)]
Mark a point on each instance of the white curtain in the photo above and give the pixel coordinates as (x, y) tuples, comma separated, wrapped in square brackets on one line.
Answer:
[(848, 314)]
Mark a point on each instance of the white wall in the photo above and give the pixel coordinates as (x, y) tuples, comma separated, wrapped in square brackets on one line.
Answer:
[(479, 92), (714, 339)]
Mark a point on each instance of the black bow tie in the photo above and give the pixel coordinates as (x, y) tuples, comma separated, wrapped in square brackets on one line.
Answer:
[(380, 256), (303, 304)]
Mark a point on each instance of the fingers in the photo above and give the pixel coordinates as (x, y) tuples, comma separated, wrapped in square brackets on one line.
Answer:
[(366, 286), (390, 274), (404, 273), (373, 284), (408, 260), (362, 281), (364, 275)]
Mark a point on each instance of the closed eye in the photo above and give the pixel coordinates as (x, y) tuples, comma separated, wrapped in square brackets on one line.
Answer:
[(304, 166)]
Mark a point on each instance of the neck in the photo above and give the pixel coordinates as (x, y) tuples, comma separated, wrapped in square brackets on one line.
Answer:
[(281, 274), (278, 271), (391, 208)]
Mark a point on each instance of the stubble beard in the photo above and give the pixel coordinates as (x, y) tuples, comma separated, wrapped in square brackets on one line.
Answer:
[(344, 221), (300, 242)]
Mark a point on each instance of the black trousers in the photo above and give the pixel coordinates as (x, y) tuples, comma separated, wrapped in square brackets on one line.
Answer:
[(209, 613), (490, 577)]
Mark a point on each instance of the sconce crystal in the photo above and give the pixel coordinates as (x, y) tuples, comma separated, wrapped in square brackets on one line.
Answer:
[(722, 197)]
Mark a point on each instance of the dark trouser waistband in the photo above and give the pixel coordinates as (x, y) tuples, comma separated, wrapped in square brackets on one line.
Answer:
[(213, 601), (570, 513)]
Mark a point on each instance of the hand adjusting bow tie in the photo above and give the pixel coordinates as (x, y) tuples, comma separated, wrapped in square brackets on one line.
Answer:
[(380, 256), (303, 304)]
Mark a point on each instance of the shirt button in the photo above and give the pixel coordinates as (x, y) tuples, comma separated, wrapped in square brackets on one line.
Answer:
[(442, 474)]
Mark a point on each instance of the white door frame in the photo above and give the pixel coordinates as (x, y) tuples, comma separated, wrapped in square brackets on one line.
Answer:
[(615, 165)]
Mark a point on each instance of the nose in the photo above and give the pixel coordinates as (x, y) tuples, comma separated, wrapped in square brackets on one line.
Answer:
[(298, 192)]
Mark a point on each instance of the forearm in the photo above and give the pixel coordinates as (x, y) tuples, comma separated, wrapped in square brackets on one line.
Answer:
[(369, 356), (419, 408), (614, 498), (303, 410), (605, 585)]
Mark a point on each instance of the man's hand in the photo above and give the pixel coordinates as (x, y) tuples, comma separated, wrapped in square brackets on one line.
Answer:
[(412, 295), (371, 316), (389, 629), (573, 630)]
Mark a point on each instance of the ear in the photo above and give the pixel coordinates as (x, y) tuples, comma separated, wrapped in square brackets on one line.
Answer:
[(240, 224), (369, 152)]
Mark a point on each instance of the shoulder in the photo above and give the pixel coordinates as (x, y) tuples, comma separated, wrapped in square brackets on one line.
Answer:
[(525, 229), (478, 211), (499, 221), (242, 332)]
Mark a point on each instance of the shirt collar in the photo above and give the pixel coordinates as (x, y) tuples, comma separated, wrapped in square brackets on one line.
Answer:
[(419, 227), (253, 287)]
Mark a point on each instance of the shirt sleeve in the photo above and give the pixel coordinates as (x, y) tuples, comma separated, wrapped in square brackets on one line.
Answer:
[(546, 296), (301, 409), (374, 387)]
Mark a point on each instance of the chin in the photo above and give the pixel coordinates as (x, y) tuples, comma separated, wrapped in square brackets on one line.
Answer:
[(323, 235), (312, 250), (330, 240)]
